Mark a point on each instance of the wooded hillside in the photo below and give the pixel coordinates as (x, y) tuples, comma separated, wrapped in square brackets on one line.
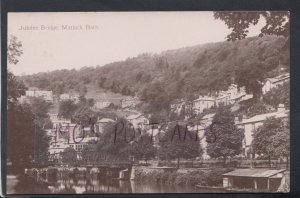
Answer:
[(180, 73)]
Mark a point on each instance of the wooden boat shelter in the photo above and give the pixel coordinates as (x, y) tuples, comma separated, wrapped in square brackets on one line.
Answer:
[(253, 179)]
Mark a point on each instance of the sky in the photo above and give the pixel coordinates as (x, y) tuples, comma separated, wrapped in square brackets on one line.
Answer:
[(54, 41)]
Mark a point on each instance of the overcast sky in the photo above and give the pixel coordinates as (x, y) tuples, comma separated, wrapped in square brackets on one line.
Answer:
[(116, 36)]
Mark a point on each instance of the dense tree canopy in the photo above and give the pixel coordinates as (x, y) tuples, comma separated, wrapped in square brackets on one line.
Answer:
[(179, 143), (224, 138), (272, 138), (182, 73), (276, 22)]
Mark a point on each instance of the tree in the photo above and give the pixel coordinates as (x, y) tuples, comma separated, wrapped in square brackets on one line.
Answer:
[(277, 23), (69, 155), (85, 116), (40, 109), (179, 143), (278, 95), (66, 109), (251, 77), (14, 50), (90, 102), (143, 148), (116, 139), (20, 136), (272, 138), (20, 119), (224, 139), (15, 88)]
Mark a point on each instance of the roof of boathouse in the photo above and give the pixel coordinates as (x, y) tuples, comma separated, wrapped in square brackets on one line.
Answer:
[(254, 172)]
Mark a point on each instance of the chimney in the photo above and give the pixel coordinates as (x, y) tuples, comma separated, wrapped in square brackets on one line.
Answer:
[(281, 108)]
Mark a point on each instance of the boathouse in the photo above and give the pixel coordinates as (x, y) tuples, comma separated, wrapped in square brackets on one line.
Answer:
[(253, 179)]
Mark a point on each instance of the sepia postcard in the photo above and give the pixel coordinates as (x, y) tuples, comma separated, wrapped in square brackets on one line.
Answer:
[(148, 102)]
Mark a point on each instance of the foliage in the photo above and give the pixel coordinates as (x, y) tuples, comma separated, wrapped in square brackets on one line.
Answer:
[(116, 139), (142, 148), (14, 50), (26, 140), (15, 88), (178, 143), (278, 95), (20, 136), (254, 107), (272, 138), (84, 116), (277, 23), (182, 73), (69, 155), (251, 77), (224, 138), (67, 109), (206, 177), (40, 109)]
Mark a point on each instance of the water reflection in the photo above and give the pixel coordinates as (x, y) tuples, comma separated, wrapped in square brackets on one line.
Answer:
[(68, 184)]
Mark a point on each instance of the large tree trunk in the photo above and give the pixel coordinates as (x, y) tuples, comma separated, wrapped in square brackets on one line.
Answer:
[(269, 161), (178, 160)]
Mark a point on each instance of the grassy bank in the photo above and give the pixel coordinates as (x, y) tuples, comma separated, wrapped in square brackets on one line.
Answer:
[(204, 177)]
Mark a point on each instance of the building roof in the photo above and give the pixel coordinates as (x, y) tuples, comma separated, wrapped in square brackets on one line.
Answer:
[(208, 116), (135, 116), (253, 172), (279, 78), (262, 117), (205, 98), (106, 120)]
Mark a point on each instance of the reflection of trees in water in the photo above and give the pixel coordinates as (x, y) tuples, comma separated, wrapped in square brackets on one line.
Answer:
[(68, 184), (30, 185)]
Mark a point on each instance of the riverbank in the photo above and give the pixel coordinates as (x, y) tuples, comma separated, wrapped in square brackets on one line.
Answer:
[(183, 176)]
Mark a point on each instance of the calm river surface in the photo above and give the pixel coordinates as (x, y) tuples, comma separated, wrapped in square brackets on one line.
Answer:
[(105, 185)]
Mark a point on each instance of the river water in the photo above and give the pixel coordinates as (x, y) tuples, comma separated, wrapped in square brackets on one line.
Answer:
[(104, 185)]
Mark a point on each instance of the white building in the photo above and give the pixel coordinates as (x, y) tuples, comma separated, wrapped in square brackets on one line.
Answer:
[(64, 96), (55, 119), (102, 104), (235, 93), (68, 135), (129, 102), (203, 103), (138, 120), (275, 82), (101, 123), (47, 95), (251, 124)]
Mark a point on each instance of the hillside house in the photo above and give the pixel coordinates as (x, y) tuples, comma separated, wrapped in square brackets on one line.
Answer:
[(129, 102), (235, 93), (251, 124), (101, 104), (55, 119), (138, 120), (101, 123), (46, 95), (271, 83), (203, 103)]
